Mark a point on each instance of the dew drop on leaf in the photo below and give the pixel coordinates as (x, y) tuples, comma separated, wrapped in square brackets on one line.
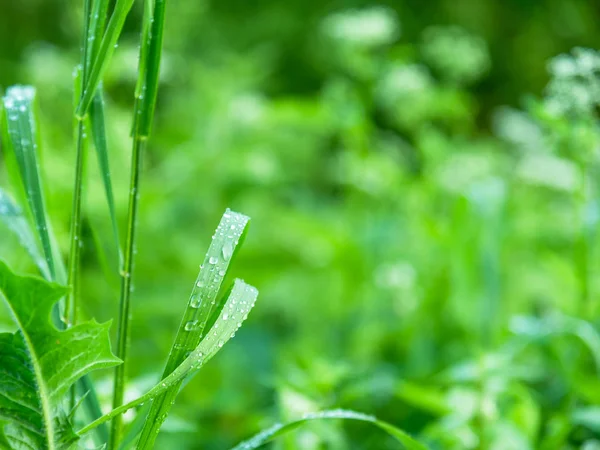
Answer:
[(227, 251), (195, 301), (191, 325)]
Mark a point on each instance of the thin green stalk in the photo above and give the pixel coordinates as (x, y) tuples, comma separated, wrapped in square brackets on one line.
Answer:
[(146, 91), (139, 146), (75, 233), (76, 217)]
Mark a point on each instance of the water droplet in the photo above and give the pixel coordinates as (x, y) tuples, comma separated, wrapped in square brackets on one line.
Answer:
[(225, 316), (191, 325), (195, 301), (227, 251), (200, 284), (221, 273), (212, 260), (220, 344)]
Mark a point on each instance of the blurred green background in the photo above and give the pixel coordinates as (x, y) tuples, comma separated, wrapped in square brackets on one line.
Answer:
[(424, 199)]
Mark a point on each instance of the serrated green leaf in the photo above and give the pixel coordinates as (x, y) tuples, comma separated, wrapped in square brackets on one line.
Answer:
[(280, 428), (39, 363)]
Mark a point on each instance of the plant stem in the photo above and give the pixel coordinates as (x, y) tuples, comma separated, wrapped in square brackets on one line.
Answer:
[(75, 233), (139, 146), (145, 101)]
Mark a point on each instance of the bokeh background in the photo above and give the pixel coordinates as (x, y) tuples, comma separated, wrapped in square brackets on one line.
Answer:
[(421, 182)]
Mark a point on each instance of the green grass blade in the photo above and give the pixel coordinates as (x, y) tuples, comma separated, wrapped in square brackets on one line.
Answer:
[(22, 144), (197, 316), (239, 303), (99, 138), (104, 54), (279, 429), (96, 27), (12, 216), (151, 50)]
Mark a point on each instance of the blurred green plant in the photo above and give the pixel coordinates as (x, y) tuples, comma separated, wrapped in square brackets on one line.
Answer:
[(414, 262)]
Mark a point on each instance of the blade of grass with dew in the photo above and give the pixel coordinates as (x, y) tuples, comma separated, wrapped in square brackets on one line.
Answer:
[(99, 138), (13, 218), (239, 303), (97, 122), (225, 244), (104, 54), (279, 429), (145, 100), (21, 142), (150, 57), (136, 426)]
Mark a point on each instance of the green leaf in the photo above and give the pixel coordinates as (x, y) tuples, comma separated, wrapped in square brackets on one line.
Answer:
[(279, 429), (104, 54), (21, 141), (149, 70), (239, 303), (99, 137), (229, 234), (12, 216), (39, 363)]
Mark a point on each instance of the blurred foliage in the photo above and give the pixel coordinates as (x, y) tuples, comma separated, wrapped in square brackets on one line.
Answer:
[(424, 235)]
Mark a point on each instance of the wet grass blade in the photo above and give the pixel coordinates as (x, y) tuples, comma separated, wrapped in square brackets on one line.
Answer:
[(279, 429), (99, 138), (150, 56), (199, 312), (21, 142), (104, 54), (239, 303), (96, 115), (13, 218)]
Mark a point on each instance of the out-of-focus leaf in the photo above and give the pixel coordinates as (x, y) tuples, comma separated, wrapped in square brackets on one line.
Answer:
[(279, 429)]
